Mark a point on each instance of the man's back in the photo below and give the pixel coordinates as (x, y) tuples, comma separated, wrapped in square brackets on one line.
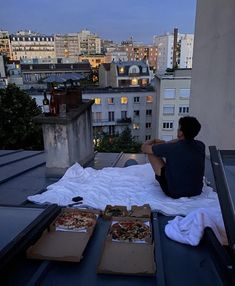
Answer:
[(184, 169)]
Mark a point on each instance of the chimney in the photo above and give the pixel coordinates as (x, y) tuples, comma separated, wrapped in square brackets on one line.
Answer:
[(174, 61)]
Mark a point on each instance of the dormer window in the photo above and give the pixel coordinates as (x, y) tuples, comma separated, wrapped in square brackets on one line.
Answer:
[(144, 70), (121, 69), (134, 69)]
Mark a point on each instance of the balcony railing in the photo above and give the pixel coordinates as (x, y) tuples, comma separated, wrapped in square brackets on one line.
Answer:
[(126, 120)]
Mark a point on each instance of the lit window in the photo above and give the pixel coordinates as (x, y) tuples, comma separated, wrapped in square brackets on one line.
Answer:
[(134, 81), (184, 92), (169, 93), (149, 99), (97, 100), (110, 100), (121, 69), (136, 126), (124, 100), (167, 125), (168, 109), (144, 81)]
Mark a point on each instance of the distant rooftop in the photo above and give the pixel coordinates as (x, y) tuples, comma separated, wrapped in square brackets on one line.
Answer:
[(118, 89)]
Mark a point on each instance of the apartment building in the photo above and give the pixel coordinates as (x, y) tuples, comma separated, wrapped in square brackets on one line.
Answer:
[(35, 73), (173, 96), (138, 52), (66, 46), (165, 51), (125, 74), (5, 43), (75, 44), (94, 60), (29, 45), (116, 108)]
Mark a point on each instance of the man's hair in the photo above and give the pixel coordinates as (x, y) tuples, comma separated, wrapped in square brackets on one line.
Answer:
[(190, 126)]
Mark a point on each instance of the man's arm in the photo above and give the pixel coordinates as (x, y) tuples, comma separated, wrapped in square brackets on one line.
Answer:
[(147, 146)]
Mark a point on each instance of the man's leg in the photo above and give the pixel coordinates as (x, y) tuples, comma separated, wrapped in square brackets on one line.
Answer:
[(157, 163)]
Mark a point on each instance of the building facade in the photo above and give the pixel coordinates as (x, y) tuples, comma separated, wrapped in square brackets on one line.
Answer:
[(137, 52), (165, 49), (125, 74), (29, 45), (75, 44), (173, 96), (5, 47), (117, 108)]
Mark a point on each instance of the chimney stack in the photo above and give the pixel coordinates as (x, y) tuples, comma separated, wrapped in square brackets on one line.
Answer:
[(174, 61)]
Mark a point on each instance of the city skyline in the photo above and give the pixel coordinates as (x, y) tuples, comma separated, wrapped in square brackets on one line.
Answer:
[(112, 20)]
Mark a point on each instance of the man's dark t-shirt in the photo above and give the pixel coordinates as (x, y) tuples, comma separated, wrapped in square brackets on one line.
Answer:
[(184, 169)]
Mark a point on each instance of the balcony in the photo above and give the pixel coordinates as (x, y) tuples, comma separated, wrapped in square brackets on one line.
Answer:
[(124, 121)]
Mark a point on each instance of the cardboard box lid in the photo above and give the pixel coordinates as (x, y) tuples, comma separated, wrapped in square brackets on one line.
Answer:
[(127, 259), (141, 211), (59, 245)]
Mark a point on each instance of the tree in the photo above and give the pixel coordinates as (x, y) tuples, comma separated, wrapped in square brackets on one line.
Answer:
[(17, 129), (118, 143)]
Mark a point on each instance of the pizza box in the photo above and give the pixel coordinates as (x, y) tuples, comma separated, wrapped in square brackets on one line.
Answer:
[(115, 211), (140, 211), (61, 245), (128, 257)]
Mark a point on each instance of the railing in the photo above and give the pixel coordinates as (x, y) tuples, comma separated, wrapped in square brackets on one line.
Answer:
[(126, 120)]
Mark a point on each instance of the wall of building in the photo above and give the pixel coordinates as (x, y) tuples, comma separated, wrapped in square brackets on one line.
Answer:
[(169, 110), (213, 84)]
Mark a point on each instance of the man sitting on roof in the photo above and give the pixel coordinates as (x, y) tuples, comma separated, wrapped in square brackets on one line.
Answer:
[(179, 164)]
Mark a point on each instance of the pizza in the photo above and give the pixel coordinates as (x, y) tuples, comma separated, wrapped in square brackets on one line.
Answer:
[(75, 221), (130, 231)]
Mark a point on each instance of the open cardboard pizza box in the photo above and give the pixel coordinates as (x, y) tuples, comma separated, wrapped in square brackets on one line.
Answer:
[(60, 245), (121, 211), (128, 257)]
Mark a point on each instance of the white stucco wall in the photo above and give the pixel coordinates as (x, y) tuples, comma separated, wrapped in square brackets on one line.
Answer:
[(213, 82)]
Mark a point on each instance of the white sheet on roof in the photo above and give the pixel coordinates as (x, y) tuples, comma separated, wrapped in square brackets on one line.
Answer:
[(134, 185)]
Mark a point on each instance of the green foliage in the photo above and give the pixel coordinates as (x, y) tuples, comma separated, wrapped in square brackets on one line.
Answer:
[(117, 143), (17, 130)]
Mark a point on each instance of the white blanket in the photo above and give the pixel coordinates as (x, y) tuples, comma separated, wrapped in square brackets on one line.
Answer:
[(134, 185), (190, 229)]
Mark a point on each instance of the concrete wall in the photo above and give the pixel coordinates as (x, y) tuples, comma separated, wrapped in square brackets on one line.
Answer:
[(213, 82)]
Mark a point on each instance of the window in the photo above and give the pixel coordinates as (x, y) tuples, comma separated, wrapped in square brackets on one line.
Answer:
[(147, 137), (144, 81), (123, 114), (97, 116), (134, 81), (110, 100), (97, 100), (167, 125), (168, 109), (136, 126), (121, 69), (184, 92), (136, 99), (149, 112), (144, 70), (169, 93), (124, 100), (167, 137), (136, 113), (149, 99), (148, 125), (111, 115), (134, 69), (184, 109)]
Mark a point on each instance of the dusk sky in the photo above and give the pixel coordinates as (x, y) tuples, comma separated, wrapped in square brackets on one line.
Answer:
[(110, 19)]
